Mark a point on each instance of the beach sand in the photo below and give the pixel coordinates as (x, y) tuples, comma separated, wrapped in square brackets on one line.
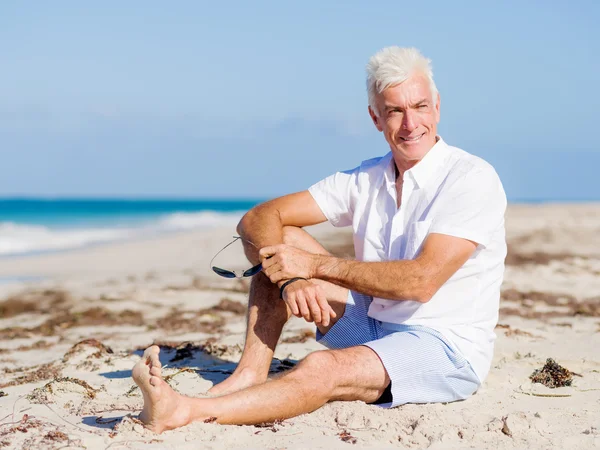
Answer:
[(68, 343)]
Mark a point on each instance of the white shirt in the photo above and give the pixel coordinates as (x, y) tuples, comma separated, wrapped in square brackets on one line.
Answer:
[(449, 192)]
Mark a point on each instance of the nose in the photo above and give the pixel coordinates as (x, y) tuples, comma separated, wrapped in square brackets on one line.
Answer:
[(408, 121)]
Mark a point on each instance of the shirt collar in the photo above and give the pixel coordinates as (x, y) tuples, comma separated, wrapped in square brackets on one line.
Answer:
[(423, 170)]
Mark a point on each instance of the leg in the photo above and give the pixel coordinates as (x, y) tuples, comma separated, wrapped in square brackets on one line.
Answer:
[(355, 373), (267, 315)]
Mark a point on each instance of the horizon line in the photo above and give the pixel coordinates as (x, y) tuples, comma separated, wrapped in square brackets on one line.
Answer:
[(151, 198)]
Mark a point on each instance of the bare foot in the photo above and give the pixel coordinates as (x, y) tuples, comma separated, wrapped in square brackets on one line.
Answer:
[(164, 409), (238, 380)]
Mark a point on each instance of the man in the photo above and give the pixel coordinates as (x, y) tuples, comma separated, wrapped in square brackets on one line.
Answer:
[(410, 320)]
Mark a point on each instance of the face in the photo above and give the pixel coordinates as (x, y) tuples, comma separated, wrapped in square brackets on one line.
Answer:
[(407, 115)]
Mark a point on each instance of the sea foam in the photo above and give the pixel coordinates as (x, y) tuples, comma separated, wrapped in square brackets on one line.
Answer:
[(18, 239)]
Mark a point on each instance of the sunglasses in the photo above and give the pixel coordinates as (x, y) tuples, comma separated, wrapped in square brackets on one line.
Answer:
[(231, 273)]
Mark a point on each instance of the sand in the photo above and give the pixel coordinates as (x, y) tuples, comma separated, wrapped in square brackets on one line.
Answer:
[(68, 343)]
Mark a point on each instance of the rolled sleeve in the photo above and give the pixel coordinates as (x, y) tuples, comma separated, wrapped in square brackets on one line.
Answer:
[(335, 195)]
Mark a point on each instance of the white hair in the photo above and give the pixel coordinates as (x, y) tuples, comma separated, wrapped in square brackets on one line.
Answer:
[(391, 66)]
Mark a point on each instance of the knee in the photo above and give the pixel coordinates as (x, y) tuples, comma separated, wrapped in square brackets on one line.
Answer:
[(300, 238), (319, 365), (292, 235)]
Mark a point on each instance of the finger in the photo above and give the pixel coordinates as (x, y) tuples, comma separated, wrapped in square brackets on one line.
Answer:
[(332, 313), (265, 252), (267, 262), (314, 308), (325, 309), (292, 304), (304, 308), (270, 269), (290, 300), (277, 277), (325, 316), (297, 307), (275, 274), (324, 303)]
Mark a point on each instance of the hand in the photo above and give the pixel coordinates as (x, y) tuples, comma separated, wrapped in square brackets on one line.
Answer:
[(306, 299), (282, 262)]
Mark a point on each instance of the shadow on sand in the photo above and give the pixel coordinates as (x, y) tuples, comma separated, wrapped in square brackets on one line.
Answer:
[(185, 356)]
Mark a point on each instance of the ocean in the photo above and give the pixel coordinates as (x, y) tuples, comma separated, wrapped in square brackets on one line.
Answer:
[(32, 226)]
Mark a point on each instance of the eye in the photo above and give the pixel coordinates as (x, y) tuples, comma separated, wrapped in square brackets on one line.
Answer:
[(424, 105)]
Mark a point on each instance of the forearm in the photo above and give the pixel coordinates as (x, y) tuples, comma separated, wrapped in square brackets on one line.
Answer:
[(393, 280)]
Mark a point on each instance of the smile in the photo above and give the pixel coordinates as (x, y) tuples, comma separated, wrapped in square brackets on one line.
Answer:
[(412, 139)]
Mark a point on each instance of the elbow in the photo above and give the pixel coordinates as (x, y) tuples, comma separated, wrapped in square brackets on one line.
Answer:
[(420, 294), (424, 295), (424, 282), (425, 291)]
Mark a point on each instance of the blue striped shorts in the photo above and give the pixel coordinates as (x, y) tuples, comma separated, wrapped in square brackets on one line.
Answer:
[(423, 365)]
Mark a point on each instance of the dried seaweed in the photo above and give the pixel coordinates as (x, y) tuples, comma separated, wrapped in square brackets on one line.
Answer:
[(39, 395), (93, 316), (184, 352), (552, 375), (103, 350), (14, 333), (36, 373), (549, 298), (33, 301), (514, 258), (271, 426), (347, 437), (210, 347), (304, 336), (23, 426), (56, 436), (570, 306), (38, 345), (67, 319), (198, 321), (232, 306)]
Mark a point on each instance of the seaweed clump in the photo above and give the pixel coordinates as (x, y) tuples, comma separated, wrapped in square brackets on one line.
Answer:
[(552, 375)]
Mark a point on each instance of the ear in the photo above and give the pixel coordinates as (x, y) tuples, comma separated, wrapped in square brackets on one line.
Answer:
[(375, 119), (437, 108)]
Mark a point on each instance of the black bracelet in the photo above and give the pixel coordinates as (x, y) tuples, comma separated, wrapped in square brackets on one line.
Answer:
[(290, 281)]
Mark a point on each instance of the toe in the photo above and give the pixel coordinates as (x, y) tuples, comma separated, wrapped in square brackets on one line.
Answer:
[(156, 381), (154, 355), (140, 373), (148, 351), (155, 371), (154, 349), (155, 360)]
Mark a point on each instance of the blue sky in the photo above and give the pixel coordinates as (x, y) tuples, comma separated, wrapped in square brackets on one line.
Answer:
[(257, 99)]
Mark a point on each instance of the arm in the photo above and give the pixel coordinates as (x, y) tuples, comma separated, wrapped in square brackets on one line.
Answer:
[(262, 226), (418, 279), (469, 213)]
